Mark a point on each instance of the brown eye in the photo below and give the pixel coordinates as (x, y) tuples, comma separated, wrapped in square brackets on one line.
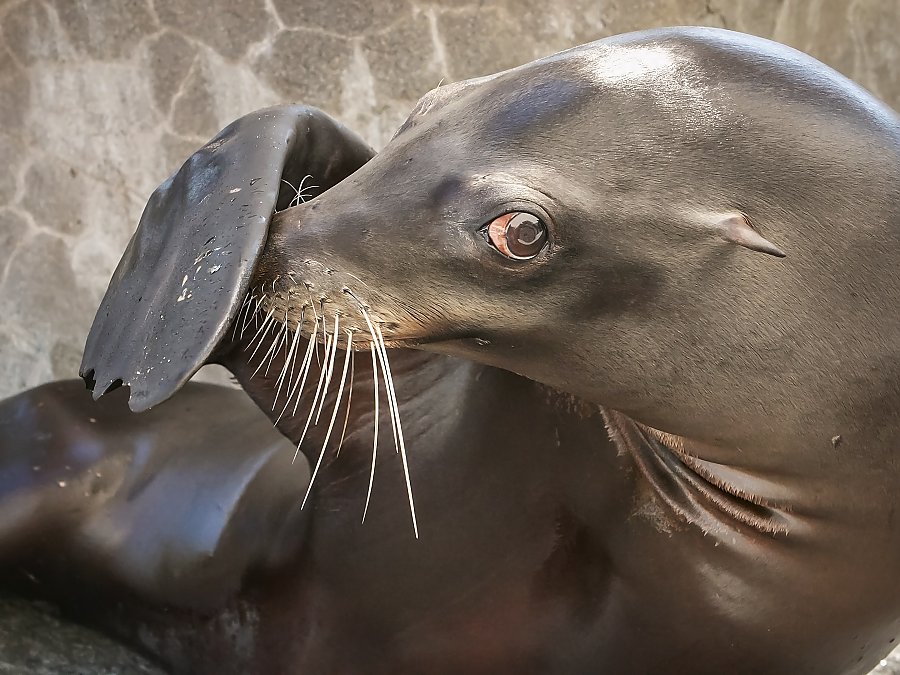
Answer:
[(518, 235)]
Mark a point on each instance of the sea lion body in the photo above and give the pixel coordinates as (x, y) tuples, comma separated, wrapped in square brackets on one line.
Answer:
[(503, 566), (770, 381), (648, 447)]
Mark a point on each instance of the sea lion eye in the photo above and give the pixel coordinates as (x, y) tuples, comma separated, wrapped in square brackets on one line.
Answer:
[(518, 235)]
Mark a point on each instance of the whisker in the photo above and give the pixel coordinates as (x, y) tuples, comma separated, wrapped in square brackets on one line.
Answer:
[(315, 337), (256, 314), (287, 324), (322, 307), (307, 366), (259, 332), (388, 382), (280, 339), (265, 330), (319, 391), (301, 376), (299, 196), (395, 410), (387, 389), (301, 189), (375, 440), (245, 306), (289, 362), (349, 400), (337, 405), (330, 367), (272, 346), (393, 391), (253, 314)]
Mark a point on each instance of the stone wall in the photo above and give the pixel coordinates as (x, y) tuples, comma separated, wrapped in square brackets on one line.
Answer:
[(101, 100)]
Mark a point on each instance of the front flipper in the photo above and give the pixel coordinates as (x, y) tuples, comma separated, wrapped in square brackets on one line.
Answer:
[(188, 266), (177, 505)]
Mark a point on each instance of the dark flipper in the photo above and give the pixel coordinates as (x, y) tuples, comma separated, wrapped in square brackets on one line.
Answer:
[(177, 505), (188, 266)]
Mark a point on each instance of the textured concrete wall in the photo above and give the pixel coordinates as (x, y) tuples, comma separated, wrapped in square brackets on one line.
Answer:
[(101, 100)]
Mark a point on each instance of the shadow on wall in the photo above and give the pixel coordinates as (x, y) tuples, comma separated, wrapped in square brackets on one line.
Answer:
[(100, 101)]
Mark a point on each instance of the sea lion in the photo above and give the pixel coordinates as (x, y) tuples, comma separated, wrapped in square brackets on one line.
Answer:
[(638, 438)]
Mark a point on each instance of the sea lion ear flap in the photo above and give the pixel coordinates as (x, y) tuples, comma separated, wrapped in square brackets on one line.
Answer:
[(188, 266), (737, 229)]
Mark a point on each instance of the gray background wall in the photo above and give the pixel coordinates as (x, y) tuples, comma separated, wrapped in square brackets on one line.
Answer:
[(100, 101)]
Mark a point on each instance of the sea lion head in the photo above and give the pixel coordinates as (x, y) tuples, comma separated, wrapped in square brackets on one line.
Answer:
[(551, 208), (573, 206)]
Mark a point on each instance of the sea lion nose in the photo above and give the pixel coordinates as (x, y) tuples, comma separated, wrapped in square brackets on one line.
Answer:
[(301, 249)]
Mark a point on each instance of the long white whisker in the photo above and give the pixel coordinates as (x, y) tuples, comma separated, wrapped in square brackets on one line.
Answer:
[(262, 338), (330, 368), (289, 363), (388, 382), (301, 376), (395, 417), (390, 379), (375, 441), (307, 366), (315, 330), (319, 390), (270, 352), (282, 342), (325, 356), (251, 315), (337, 405), (290, 359), (245, 306), (349, 400), (259, 333), (280, 338), (387, 389), (262, 300)]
